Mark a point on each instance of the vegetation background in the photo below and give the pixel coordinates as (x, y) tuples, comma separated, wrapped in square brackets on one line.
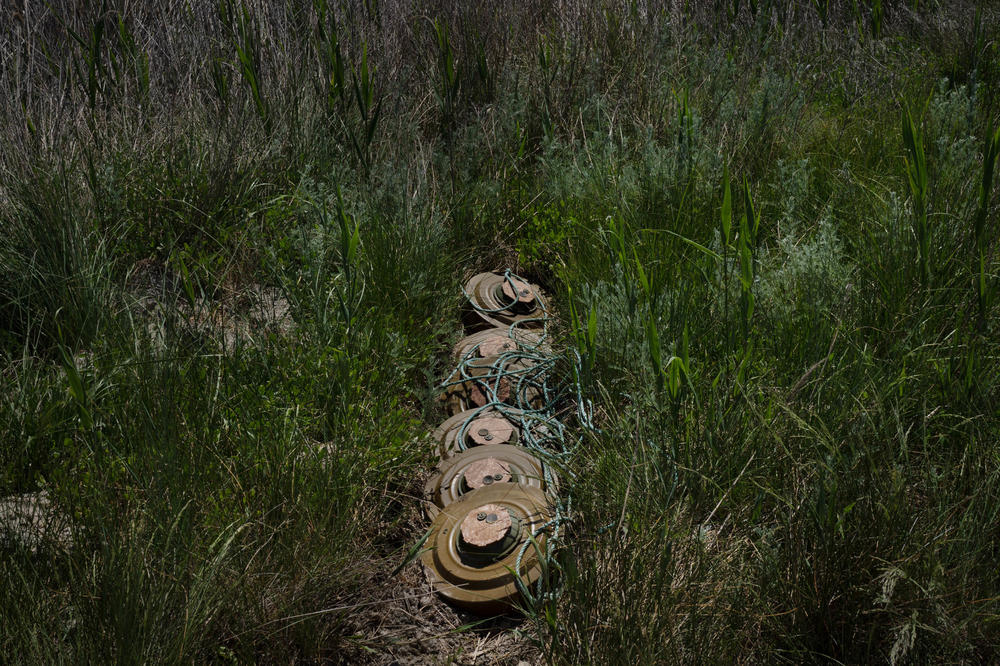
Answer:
[(231, 239)]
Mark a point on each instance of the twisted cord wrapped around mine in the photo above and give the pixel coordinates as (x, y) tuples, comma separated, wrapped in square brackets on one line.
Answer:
[(499, 340), (484, 466), (504, 300), (516, 379), (501, 380)]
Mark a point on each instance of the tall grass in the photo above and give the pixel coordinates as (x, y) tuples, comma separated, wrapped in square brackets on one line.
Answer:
[(794, 386)]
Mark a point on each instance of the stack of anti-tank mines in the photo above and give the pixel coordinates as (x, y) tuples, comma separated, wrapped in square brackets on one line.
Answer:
[(492, 498)]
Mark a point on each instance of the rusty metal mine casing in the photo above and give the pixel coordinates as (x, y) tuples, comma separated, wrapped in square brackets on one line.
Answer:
[(482, 467), (496, 341), (493, 302), (473, 547), (485, 427), (470, 394)]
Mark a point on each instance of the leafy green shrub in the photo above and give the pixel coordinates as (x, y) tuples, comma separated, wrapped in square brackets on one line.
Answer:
[(543, 237)]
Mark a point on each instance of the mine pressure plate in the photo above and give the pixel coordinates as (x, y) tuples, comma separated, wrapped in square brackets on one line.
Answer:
[(481, 427), (474, 546), (481, 467), (498, 301)]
